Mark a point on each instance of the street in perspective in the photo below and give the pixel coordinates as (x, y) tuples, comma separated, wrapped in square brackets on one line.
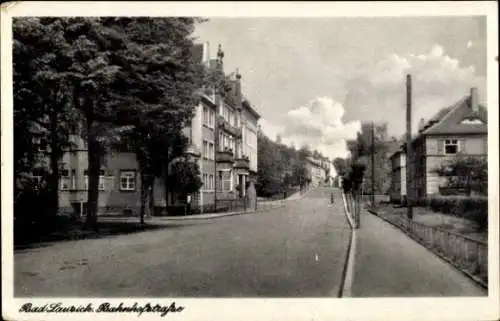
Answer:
[(259, 157)]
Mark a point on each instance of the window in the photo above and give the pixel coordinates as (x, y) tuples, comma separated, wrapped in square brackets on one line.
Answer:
[(205, 149), (211, 181), (38, 177), (221, 141), (205, 115), (73, 179), (208, 117), (205, 181), (64, 180), (208, 182), (101, 180), (225, 180), (86, 180), (235, 120), (450, 146), (127, 180), (208, 150)]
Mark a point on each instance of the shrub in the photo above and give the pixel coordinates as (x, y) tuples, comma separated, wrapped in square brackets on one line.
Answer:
[(474, 208)]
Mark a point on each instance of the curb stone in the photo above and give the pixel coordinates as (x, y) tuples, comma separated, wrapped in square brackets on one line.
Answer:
[(442, 257)]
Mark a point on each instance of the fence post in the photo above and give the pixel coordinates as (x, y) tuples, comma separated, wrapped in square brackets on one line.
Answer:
[(478, 260)]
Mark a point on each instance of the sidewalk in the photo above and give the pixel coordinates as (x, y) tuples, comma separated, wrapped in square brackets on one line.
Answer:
[(389, 264), (261, 207)]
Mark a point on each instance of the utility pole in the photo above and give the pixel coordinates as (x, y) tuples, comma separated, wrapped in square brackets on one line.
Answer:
[(409, 153), (373, 165)]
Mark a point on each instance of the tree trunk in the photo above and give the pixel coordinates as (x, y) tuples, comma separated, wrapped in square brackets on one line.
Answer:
[(143, 196), (55, 156), (151, 197), (165, 181), (94, 167)]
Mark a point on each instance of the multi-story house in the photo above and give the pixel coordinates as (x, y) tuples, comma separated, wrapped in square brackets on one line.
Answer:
[(222, 140), (119, 184), (225, 130), (458, 129), (317, 170)]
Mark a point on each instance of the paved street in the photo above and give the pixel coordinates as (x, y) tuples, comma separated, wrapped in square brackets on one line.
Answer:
[(295, 251)]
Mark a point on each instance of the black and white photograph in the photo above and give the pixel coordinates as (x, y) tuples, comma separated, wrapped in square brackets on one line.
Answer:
[(213, 160)]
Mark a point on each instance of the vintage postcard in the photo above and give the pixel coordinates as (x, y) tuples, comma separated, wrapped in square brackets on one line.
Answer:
[(250, 160)]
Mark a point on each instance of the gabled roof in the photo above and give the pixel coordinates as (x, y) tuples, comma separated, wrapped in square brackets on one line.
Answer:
[(394, 148), (448, 120)]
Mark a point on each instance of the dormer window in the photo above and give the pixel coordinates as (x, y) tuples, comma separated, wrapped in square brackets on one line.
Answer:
[(451, 146), (472, 121)]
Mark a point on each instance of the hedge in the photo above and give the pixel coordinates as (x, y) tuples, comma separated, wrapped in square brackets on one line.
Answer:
[(474, 208)]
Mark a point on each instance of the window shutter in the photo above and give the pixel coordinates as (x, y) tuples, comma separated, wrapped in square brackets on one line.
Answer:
[(461, 145), (440, 147)]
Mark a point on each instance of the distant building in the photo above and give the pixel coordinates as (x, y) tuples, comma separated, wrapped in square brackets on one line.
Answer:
[(317, 170), (459, 129)]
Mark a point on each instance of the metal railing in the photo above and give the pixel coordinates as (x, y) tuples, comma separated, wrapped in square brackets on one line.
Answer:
[(353, 201)]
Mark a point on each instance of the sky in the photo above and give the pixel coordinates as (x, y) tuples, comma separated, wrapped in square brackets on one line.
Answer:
[(314, 80)]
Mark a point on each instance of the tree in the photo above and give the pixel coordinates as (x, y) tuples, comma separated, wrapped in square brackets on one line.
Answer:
[(186, 176), (269, 176), (93, 74), (340, 165), (466, 173), (161, 83), (125, 79), (43, 115), (362, 147)]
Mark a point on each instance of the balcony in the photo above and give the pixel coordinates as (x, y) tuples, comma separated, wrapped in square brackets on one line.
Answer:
[(225, 156), (242, 163), (224, 125)]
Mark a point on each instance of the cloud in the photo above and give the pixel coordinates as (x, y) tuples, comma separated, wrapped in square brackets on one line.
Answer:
[(378, 93), (320, 125), (271, 130)]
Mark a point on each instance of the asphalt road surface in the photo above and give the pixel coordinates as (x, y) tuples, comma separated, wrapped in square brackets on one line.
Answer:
[(295, 251)]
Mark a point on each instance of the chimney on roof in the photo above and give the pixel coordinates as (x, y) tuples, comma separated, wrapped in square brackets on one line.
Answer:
[(238, 97), (421, 124), (220, 56), (474, 99)]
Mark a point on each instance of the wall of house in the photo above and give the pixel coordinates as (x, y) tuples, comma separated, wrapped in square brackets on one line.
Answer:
[(398, 189), (111, 197), (469, 144), (250, 129), (473, 145), (115, 197)]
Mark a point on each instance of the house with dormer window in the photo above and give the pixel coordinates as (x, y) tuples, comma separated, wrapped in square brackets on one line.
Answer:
[(458, 129)]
